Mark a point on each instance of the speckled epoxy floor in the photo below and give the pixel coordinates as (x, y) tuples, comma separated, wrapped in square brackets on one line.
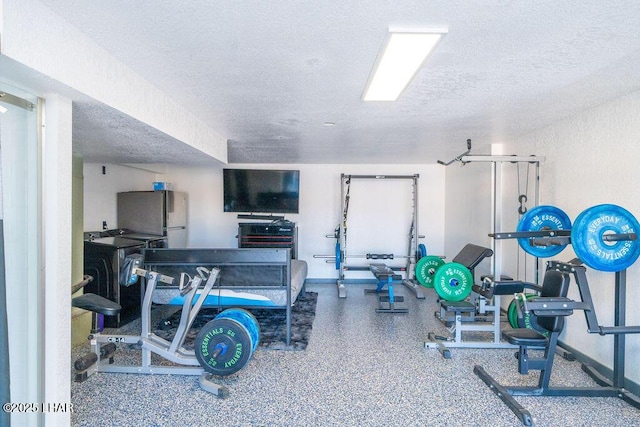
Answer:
[(361, 368)]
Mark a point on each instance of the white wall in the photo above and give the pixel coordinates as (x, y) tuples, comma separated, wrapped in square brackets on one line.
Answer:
[(100, 191), (593, 158), (35, 36), (379, 214), (57, 225)]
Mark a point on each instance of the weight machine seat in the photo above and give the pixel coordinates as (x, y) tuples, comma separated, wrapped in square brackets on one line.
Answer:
[(382, 272), (506, 287), (96, 304), (458, 306), (471, 255), (525, 338), (555, 284)]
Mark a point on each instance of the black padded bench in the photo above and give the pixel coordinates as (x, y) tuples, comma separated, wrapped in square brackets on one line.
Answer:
[(384, 273), (470, 256)]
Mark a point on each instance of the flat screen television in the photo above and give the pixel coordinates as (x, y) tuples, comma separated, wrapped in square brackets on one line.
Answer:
[(261, 191)]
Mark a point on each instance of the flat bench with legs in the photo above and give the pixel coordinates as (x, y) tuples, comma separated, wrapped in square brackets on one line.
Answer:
[(387, 299)]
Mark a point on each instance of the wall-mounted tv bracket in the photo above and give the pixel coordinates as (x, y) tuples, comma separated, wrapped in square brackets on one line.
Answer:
[(262, 217)]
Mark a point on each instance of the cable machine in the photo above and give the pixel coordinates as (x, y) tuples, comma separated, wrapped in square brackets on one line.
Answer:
[(492, 323)]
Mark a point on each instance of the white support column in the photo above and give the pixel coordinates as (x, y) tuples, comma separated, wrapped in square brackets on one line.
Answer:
[(57, 162), (496, 215)]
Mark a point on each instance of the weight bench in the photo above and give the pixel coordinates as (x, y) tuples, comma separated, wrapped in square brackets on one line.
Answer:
[(461, 316), (387, 299), (99, 307)]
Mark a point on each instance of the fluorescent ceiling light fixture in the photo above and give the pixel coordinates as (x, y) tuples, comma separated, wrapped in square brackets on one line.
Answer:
[(3, 109), (403, 54)]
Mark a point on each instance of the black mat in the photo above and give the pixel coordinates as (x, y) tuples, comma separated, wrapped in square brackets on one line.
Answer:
[(273, 326)]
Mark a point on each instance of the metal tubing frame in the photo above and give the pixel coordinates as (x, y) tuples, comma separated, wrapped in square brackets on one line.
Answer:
[(613, 387), (151, 343), (409, 281), (492, 324)]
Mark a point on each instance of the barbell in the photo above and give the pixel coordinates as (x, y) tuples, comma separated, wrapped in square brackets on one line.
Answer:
[(604, 236), (340, 257)]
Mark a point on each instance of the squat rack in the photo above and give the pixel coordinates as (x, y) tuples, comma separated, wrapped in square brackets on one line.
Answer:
[(341, 246)]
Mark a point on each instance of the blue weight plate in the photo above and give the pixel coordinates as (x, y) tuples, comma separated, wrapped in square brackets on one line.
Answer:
[(539, 218), (247, 320), (588, 243), (338, 255), (423, 250)]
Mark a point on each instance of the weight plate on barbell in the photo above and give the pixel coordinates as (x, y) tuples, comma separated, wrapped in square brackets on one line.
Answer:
[(588, 242), (528, 320), (426, 268), (453, 282), (223, 346), (422, 251), (543, 217), (512, 314)]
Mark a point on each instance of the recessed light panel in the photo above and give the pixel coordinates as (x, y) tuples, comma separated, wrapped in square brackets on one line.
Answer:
[(402, 55)]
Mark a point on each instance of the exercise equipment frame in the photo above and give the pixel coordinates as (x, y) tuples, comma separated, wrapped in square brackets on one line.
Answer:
[(613, 387), (410, 281), (490, 313), (150, 343)]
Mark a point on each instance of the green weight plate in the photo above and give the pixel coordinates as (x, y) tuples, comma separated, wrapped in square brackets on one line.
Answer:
[(541, 218), (587, 238), (528, 320), (426, 269), (453, 282), (512, 314)]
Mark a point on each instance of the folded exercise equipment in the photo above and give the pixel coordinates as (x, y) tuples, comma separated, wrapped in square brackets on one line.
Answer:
[(222, 347)]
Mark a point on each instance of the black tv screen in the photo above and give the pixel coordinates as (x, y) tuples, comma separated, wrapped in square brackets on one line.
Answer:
[(261, 191)]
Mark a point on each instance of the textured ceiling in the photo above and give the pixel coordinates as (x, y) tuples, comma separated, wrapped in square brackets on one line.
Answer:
[(267, 75)]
